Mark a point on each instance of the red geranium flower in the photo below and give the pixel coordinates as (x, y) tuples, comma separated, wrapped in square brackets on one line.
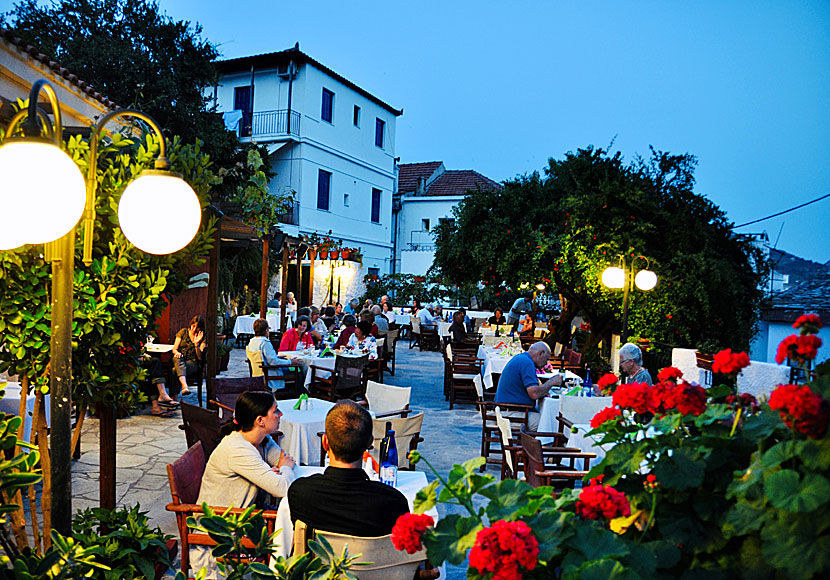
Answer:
[(632, 396), (801, 409), (728, 362), (800, 348), (599, 500), (690, 399), (406, 535), (746, 401), (808, 323), (670, 374), (607, 414), (503, 549), (607, 382)]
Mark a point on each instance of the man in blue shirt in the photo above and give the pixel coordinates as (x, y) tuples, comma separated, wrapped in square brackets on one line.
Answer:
[(519, 385)]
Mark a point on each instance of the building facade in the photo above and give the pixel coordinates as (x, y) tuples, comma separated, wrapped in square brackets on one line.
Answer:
[(329, 141), (425, 197)]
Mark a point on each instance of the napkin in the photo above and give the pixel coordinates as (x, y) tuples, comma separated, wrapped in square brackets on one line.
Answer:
[(302, 398), (574, 392), (500, 345), (326, 352)]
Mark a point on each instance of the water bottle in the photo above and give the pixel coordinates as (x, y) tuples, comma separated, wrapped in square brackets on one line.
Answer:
[(383, 449), (586, 384), (389, 468)]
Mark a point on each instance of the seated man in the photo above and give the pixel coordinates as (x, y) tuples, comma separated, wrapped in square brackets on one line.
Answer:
[(519, 385), (260, 351), (631, 363), (343, 499)]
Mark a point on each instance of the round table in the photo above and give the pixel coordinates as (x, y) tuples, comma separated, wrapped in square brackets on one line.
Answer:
[(300, 428)]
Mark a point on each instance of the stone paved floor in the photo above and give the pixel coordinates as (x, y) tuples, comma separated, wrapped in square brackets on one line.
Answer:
[(147, 443)]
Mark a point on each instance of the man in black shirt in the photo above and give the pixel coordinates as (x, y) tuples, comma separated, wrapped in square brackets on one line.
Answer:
[(343, 499)]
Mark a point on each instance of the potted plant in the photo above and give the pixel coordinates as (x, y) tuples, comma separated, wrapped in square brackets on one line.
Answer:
[(345, 253), (223, 356)]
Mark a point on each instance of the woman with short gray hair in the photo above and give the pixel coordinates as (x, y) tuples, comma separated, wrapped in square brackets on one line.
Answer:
[(631, 363)]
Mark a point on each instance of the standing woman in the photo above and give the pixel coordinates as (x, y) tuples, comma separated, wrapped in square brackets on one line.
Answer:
[(246, 461), (188, 351)]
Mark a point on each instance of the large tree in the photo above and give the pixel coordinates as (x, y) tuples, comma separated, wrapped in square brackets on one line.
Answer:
[(139, 57), (589, 209)]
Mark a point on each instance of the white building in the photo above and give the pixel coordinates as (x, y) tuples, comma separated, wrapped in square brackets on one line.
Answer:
[(426, 195), (331, 142)]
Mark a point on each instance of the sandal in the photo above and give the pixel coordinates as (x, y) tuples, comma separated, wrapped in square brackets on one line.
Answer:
[(171, 404), (161, 413)]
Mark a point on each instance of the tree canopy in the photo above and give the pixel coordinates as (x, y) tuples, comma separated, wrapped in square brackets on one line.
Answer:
[(589, 209)]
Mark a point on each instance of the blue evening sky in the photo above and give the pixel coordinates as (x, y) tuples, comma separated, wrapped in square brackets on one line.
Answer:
[(500, 87)]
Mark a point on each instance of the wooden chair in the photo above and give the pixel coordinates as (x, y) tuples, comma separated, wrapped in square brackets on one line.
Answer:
[(290, 377), (201, 425), (226, 391), (415, 332), (429, 338), (511, 449), (347, 381), (386, 562), (407, 436), (538, 472), (389, 351), (387, 398), (374, 368), (528, 341), (185, 478), (463, 372), (491, 440)]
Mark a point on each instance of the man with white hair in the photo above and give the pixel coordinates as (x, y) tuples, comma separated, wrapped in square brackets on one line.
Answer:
[(631, 363), (519, 384), (427, 317)]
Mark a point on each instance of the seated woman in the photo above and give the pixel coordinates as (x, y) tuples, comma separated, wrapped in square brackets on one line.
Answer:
[(526, 325), (362, 340), (349, 322), (299, 337), (458, 331), (497, 318), (260, 351), (246, 461), (369, 317), (389, 312), (188, 349), (338, 313), (329, 319)]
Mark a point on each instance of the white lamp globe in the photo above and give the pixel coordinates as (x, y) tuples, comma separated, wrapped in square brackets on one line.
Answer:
[(159, 212), (43, 191), (645, 280), (613, 277)]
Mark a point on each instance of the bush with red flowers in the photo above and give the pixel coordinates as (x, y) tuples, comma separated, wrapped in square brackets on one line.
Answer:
[(728, 362), (808, 323), (745, 401), (607, 414), (607, 383), (407, 532), (505, 549), (633, 396), (801, 409), (670, 374), (800, 348), (597, 500)]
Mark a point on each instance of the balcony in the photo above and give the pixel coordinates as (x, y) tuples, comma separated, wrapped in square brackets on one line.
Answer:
[(421, 241), (275, 125)]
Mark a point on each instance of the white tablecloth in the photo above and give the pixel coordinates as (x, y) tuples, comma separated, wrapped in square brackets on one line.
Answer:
[(549, 409), (300, 428), (11, 404), (157, 347), (245, 324), (311, 359), (494, 363), (409, 484)]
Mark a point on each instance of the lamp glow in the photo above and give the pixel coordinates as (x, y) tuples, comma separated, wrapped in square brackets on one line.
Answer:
[(159, 212), (645, 280), (613, 277), (43, 189), (540, 287)]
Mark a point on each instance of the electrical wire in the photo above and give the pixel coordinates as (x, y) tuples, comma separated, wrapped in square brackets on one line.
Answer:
[(783, 212)]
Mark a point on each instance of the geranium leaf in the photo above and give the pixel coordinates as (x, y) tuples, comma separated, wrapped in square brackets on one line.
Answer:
[(786, 491), (798, 548), (680, 470), (595, 543), (743, 519), (666, 552), (453, 536), (596, 570), (505, 498), (761, 425), (779, 453), (815, 453), (425, 499), (551, 530)]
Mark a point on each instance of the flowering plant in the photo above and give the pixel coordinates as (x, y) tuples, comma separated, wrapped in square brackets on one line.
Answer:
[(608, 383), (730, 363), (548, 368)]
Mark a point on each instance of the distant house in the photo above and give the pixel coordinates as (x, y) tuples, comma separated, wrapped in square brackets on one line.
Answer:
[(330, 141), (811, 295), (426, 195), (21, 66)]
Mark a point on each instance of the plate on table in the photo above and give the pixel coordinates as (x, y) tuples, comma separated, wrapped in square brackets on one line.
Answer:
[(546, 376)]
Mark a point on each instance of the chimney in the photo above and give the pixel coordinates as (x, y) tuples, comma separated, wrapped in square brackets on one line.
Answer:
[(421, 189)]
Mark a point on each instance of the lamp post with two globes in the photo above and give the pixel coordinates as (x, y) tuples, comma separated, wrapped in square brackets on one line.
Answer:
[(43, 196), (617, 277)]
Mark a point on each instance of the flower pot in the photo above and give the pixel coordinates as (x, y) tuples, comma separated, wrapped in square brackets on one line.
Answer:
[(334, 254), (704, 361), (222, 362), (345, 254), (323, 254)]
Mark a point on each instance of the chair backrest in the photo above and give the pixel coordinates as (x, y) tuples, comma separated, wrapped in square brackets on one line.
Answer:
[(582, 409), (250, 367), (574, 358), (534, 460), (201, 425), (380, 345), (387, 563), (349, 371), (479, 385), (506, 434), (391, 339), (557, 349), (384, 398), (406, 429), (226, 391), (185, 475), (540, 331), (416, 324)]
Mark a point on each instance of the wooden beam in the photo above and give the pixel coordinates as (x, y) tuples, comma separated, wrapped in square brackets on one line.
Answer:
[(284, 286), (311, 255), (263, 287), (212, 304)]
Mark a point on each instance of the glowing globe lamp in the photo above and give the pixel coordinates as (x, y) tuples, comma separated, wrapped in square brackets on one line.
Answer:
[(645, 280), (159, 212), (613, 277), (42, 190)]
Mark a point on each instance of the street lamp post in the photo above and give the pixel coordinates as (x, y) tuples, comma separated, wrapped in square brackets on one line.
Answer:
[(44, 196), (617, 277)]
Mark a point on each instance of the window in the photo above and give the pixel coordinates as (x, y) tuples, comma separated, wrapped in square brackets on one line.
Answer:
[(373, 271), (242, 102), (345, 200), (356, 116), (323, 189), (424, 225), (327, 113), (379, 125), (448, 221), (375, 205)]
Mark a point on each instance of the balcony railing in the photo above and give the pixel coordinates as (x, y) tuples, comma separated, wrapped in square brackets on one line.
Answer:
[(292, 216), (265, 124)]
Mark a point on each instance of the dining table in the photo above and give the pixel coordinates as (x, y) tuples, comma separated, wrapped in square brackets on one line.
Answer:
[(409, 484), (495, 359), (312, 357), (582, 409), (245, 323), (10, 404), (300, 427)]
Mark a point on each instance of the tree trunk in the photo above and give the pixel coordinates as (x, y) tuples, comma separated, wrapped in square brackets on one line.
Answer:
[(79, 423), (18, 520), (46, 467), (106, 482)]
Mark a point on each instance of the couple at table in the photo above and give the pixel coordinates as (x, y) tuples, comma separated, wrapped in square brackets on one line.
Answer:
[(341, 500)]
